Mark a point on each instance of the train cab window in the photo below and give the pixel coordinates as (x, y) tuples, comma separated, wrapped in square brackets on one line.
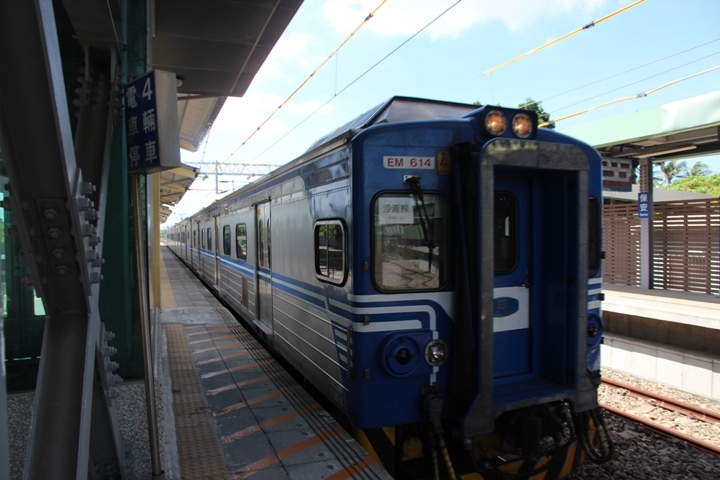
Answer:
[(410, 242), (594, 239), (330, 251), (209, 240), (241, 241), (506, 233), (226, 239)]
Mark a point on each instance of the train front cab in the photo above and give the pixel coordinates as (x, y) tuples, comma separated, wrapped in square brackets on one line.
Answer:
[(529, 225), (519, 343)]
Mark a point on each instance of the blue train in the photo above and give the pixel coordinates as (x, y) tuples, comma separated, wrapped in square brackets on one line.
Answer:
[(434, 269)]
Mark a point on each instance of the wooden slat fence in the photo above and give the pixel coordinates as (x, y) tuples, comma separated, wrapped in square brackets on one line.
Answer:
[(621, 242), (686, 242)]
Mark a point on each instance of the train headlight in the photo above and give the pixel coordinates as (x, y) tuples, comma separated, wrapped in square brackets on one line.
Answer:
[(436, 353), (522, 125), (495, 122)]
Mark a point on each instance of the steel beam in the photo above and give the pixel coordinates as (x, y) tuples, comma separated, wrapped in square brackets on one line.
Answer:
[(54, 208)]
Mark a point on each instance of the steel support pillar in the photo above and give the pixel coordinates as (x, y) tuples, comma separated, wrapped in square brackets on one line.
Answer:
[(4, 446), (646, 226), (145, 329), (73, 434)]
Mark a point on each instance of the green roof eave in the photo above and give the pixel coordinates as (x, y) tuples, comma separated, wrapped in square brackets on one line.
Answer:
[(674, 117)]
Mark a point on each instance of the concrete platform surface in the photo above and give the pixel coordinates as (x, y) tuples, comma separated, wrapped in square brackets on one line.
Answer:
[(236, 412), (689, 308)]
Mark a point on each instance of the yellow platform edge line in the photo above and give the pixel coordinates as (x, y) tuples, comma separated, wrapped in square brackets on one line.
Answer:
[(167, 297)]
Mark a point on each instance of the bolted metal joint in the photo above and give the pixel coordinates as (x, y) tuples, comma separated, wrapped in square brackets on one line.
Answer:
[(54, 232), (94, 240), (91, 215), (85, 204), (87, 188), (50, 213), (89, 230)]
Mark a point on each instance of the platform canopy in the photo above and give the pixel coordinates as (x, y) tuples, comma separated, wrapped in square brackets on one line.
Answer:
[(685, 128)]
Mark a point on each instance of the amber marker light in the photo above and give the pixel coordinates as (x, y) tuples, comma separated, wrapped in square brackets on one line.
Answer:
[(522, 125), (495, 122)]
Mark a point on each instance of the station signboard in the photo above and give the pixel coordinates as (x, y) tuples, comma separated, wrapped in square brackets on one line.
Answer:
[(643, 205), (151, 121)]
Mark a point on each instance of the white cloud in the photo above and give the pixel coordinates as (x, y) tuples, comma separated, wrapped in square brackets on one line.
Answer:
[(406, 17), (240, 118), (291, 52)]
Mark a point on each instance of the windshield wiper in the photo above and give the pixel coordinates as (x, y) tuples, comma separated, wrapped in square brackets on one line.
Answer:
[(426, 223)]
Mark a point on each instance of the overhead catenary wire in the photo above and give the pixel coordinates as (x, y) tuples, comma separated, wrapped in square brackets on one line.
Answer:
[(359, 77), (638, 81), (538, 102), (307, 79), (631, 97), (567, 35)]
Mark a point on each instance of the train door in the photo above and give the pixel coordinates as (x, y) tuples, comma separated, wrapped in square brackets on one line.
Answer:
[(216, 250), (264, 319), (512, 292)]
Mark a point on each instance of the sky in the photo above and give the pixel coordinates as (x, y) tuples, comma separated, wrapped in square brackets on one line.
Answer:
[(439, 49)]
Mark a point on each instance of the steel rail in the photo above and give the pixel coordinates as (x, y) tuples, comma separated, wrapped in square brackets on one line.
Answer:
[(662, 401), (697, 443)]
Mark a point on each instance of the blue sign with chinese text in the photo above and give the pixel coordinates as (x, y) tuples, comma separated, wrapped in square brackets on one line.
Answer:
[(151, 122), (643, 205)]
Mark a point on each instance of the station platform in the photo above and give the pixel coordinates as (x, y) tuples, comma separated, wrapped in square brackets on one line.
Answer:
[(663, 336), (236, 412)]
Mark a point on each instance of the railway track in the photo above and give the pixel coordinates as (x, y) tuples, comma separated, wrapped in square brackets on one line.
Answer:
[(694, 412)]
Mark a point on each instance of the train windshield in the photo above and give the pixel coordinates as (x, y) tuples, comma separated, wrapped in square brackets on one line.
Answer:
[(410, 242)]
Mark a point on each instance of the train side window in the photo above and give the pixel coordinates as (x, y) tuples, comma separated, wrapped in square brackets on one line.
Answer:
[(194, 239), (226, 239), (506, 233), (241, 241), (594, 239), (203, 238), (330, 251), (409, 242), (209, 240)]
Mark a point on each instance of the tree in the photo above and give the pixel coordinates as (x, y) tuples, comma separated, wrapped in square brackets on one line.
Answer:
[(672, 170), (535, 106), (708, 184), (700, 168)]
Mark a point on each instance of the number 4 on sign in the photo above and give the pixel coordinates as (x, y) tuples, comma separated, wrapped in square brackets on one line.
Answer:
[(147, 89)]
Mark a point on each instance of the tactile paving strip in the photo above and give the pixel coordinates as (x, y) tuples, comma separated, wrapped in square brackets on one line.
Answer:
[(265, 425), (198, 448), (167, 297), (269, 427)]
